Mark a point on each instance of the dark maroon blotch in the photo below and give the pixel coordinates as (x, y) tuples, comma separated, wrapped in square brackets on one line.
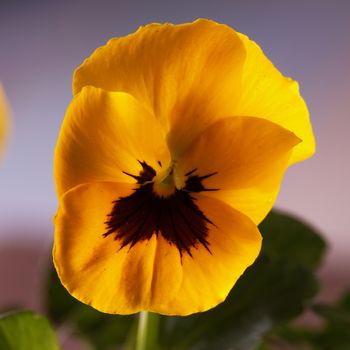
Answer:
[(176, 217)]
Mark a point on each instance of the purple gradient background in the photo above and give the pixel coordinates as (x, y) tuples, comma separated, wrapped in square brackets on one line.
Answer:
[(42, 42)]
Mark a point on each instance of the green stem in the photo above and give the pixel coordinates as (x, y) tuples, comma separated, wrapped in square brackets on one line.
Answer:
[(147, 332)]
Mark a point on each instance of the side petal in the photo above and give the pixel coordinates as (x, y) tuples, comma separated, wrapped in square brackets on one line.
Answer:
[(234, 243), (248, 157), (95, 270), (102, 135), (186, 74), (266, 93), (151, 275)]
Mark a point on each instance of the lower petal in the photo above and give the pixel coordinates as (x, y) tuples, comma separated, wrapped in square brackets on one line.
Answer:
[(234, 243), (151, 275), (96, 271)]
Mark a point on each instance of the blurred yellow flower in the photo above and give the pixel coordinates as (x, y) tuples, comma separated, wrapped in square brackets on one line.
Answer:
[(4, 115), (171, 152)]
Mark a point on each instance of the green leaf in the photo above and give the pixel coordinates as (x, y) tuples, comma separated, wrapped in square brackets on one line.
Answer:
[(287, 238), (101, 330), (26, 330), (334, 333), (339, 313), (265, 295)]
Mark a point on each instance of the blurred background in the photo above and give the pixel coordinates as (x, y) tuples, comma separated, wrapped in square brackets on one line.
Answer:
[(42, 42)]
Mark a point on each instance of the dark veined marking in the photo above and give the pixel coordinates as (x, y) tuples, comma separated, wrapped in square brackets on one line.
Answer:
[(176, 217)]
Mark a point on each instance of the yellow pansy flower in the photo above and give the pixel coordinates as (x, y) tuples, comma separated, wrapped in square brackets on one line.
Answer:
[(4, 112), (171, 152)]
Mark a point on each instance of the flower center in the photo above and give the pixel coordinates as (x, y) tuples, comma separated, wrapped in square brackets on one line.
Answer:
[(157, 206), (164, 183)]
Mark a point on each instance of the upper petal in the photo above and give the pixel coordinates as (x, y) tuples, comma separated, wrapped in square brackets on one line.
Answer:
[(248, 156), (103, 134), (195, 73), (186, 74), (267, 94)]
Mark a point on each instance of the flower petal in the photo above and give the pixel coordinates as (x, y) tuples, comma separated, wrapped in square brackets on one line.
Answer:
[(248, 156), (4, 112), (103, 134), (150, 275), (266, 93), (186, 74), (234, 242), (95, 270)]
